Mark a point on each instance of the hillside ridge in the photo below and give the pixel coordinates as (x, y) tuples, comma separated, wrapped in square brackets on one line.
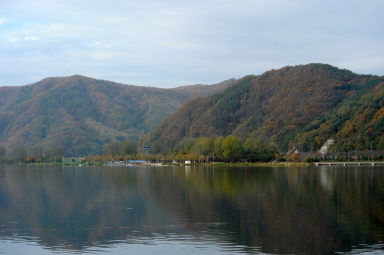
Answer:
[(275, 106), (81, 114)]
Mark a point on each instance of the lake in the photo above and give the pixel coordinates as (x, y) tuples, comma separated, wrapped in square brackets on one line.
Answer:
[(191, 210)]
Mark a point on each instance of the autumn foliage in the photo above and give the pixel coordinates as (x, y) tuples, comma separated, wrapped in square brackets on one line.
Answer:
[(305, 105)]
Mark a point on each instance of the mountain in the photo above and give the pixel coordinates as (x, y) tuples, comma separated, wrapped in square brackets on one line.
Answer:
[(305, 104), (355, 124), (81, 114), (199, 90)]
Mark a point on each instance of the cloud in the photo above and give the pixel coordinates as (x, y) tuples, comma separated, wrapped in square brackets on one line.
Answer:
[(12, 39), (2, 21), (30, 38), (170, 42)]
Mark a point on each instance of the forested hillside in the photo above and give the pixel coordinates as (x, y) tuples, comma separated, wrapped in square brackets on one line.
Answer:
[(356, 124), (304, 104), (80, 114)]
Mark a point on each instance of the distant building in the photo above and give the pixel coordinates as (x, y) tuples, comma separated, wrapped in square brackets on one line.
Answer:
[(325, 148), (147, 150), (139, 162), (293, 151)]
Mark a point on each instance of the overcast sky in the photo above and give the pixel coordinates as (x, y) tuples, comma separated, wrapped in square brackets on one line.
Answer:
[(168, 43)]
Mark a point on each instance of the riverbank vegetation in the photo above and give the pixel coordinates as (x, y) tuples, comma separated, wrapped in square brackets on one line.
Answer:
[(36, 154), (203, 149)]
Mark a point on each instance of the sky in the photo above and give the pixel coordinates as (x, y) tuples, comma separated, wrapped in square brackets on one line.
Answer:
[(169, 43)]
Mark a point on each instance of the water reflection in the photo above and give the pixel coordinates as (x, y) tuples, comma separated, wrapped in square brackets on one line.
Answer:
[(204, 210)]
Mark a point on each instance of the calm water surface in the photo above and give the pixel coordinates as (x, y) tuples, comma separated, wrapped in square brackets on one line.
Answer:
[(187, 210)]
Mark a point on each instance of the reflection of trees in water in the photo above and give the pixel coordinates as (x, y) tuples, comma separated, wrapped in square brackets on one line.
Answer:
[(282, 210), (75, 207), (295, 210)]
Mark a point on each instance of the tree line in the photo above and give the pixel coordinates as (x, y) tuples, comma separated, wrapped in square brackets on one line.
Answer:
[(203, 149), (36, 154)]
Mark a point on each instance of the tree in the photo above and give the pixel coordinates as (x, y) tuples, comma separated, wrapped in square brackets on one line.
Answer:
[(3, 151), (203, 146), (128, 148), (217, 148), (36, 152), (255, 150), (111, 149), (55, 153), (252, 149), (232, 148), (19, 153)]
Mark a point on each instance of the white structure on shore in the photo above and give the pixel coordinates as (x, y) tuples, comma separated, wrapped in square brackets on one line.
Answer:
[(325, 147)]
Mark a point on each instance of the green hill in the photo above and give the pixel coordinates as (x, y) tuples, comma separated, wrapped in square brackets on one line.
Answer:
[(81, 114), (355, 124), (305, 104)]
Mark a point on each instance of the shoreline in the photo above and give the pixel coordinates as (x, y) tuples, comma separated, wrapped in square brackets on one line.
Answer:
[(211, 164), (252, 164)]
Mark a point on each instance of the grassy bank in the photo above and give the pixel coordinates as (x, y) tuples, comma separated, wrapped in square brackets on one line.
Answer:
[(214, 164), (254, 164)]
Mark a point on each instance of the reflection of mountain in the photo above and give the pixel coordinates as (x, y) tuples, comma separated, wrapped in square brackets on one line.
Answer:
[(272, 210), (75, 208), (283, 211)]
